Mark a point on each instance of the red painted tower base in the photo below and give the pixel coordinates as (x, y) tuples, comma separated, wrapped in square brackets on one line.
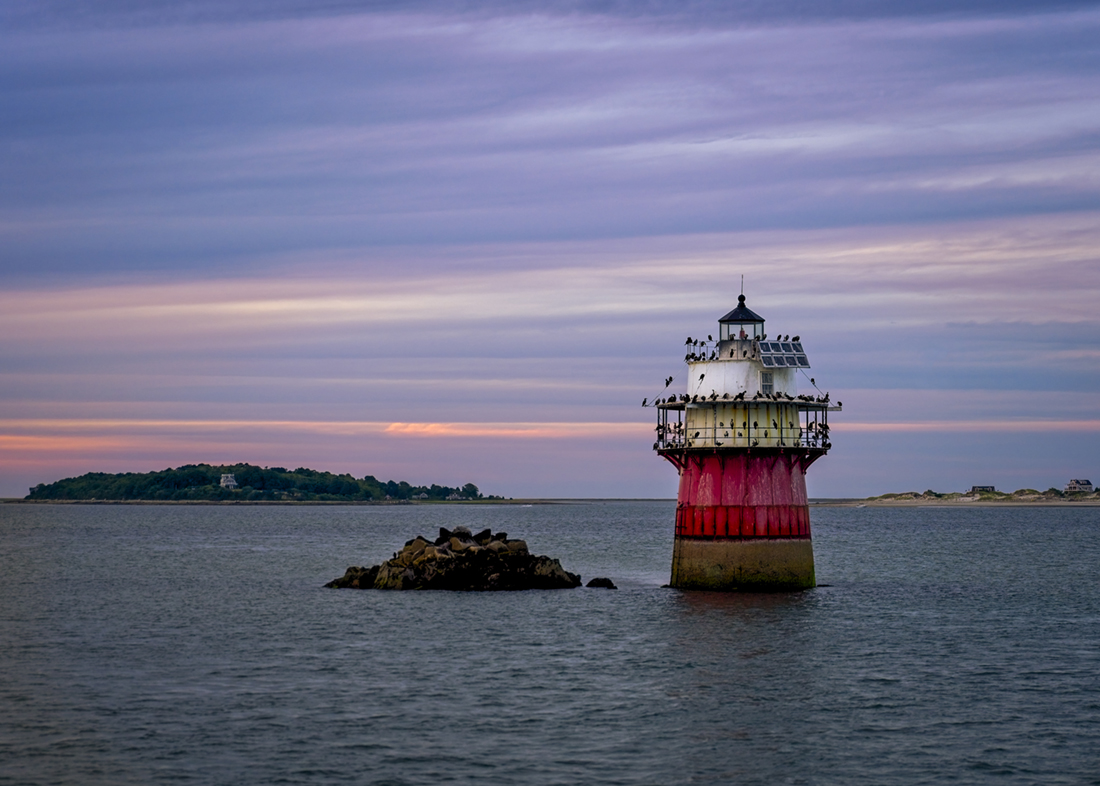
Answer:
[(743, 521)]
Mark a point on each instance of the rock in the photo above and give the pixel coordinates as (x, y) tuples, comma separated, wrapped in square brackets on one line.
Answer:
[(356, 578), (415, 546), (601, 583), (462, 561)]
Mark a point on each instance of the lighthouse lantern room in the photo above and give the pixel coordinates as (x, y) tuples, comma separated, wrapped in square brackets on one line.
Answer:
[(741, 438)]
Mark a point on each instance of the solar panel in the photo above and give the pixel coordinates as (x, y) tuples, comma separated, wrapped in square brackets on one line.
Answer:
[(783, 354)]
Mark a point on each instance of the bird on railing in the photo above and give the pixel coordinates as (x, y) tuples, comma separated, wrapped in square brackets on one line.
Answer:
[(643, 402), (797, 338)]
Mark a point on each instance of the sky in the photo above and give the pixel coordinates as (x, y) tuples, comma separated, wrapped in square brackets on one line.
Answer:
[(460, 242)]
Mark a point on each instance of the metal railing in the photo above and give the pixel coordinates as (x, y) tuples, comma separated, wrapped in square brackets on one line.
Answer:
[(811, 431)]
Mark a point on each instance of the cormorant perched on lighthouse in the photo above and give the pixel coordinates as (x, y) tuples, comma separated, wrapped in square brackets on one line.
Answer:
[(742, 516)]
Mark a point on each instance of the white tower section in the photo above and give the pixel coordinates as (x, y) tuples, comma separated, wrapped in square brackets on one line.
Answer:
[(741, 390)]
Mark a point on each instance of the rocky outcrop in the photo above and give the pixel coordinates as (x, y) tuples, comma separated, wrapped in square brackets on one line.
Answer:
[(458, 560), (601, 583)]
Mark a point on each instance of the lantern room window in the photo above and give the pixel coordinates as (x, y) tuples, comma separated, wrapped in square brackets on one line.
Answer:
[(741, 323), (741, 330)]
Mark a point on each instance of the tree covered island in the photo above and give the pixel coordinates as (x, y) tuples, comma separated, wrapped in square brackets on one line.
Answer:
[(244, 483)]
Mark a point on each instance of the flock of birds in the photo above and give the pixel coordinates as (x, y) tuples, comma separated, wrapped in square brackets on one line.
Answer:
[(708, 350), (814, 435), (697, 399)]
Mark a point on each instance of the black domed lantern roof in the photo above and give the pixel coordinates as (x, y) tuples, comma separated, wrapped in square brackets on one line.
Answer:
[(741, 323)]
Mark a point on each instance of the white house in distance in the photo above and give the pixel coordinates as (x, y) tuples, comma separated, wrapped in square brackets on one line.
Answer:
[(229, 481), (1078, 486)]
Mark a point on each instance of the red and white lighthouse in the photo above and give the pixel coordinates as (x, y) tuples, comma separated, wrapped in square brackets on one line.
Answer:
[(742, 438)]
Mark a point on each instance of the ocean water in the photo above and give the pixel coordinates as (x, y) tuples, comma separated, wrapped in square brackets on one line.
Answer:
[(168, 644)]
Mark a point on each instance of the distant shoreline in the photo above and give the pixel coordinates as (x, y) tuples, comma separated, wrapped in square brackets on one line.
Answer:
[(276, 502), (953, 503), (817, 502)]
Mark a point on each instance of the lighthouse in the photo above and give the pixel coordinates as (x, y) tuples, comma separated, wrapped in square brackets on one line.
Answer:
[(742, 438)]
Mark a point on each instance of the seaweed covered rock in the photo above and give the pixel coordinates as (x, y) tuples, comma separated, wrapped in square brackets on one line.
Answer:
[(459, 560)]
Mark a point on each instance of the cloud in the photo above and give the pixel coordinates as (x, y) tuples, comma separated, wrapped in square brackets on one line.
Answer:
[(313, 231), (210, 146), (972, 426)]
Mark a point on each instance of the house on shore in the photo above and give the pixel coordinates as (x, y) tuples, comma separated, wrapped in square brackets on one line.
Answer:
[(1076, 486)]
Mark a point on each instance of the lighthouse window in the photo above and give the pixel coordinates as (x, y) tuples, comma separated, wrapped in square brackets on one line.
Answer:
[(766, 383), (742, 330)]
